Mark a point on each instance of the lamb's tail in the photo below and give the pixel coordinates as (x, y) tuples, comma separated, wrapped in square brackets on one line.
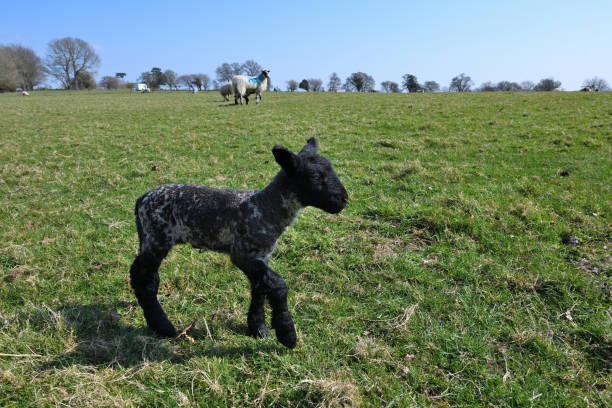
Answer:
[(138, 223)]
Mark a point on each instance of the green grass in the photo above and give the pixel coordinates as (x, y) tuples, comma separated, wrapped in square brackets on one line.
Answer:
[(445, 281)]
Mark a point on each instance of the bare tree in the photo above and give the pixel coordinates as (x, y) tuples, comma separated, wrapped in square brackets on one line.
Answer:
[(334, 83), (185, 80), (205, 81), (527, 86), (507, 86), (389, 86), (487, 87), (8, 70), (201, 81), (236, 68), (67, 58), (170, 76), (292, 85), (224, 72), (547, 84), (359, 82), (316, 85), (196, 81), (251, 68), (431, 86), (215, 85), (461, 83), (597, 84), (29, 67), (110, 82), (304, 85)]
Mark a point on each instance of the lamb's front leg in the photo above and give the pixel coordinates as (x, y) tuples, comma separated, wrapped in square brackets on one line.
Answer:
[(282, 322), (266, 283)]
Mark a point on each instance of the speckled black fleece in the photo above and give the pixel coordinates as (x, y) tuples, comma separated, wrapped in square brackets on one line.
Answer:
[(245, 224)]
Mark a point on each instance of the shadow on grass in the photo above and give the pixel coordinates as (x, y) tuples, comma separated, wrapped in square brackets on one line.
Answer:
[(101, 339)]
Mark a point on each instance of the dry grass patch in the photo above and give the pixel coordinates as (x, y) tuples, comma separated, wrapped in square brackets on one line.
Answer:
[(337, 391)]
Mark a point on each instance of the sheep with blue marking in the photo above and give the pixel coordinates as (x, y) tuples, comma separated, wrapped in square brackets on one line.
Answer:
[(245, 224), (226, 90), (244, 85)]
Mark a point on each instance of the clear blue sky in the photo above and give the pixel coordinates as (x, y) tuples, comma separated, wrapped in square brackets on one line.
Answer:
[(512, 40)]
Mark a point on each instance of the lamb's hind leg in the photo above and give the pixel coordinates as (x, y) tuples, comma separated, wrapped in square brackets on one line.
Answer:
[(144, 278), (256, 319)]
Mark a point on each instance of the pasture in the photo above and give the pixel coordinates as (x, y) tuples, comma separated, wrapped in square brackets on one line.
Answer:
[(472, 265)]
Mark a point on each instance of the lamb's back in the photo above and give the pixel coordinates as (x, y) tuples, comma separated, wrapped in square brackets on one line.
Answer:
[(199, 215)]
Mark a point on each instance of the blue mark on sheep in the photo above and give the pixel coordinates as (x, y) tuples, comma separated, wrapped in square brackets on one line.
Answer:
[(253, 80)]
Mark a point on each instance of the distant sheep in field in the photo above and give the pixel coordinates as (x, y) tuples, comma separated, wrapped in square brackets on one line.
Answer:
[(243, 86), (226, 90), (24, 93), (245, 224)]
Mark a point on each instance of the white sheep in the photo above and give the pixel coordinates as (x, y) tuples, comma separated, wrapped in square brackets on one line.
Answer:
[(226, 90), (243, 86), (25, 93)]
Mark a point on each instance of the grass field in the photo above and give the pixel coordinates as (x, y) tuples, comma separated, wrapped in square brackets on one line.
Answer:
[(445, 282)]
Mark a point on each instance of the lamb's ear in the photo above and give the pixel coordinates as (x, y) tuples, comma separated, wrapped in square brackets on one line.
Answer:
[(311, 148), (287, 160)]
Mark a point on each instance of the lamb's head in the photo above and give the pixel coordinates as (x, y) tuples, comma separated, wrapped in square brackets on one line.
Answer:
[(312, 177), (265, 74)]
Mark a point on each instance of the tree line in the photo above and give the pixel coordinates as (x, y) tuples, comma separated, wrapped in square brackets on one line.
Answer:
[(362, 82), (72, 62)]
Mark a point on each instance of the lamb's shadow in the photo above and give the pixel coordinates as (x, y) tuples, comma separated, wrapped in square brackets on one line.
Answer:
[(102, 339)]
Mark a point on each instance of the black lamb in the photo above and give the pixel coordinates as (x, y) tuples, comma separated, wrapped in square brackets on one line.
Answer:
[(245, 224)]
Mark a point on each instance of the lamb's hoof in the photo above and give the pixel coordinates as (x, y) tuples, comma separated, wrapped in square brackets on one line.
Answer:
[(285, 330), (161, 325), (165, 330), (259, 331)]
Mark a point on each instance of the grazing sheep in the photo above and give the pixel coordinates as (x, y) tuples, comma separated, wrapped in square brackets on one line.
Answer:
[(226, 90), (243, 86), (244, 224), (24, 93)]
